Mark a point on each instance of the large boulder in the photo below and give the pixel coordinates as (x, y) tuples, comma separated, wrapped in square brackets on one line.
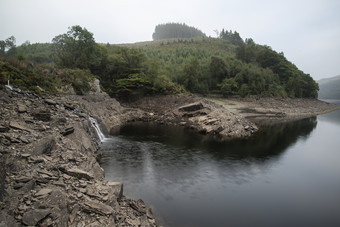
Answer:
[(42, 115), (75, 172), (7, 220), (191, 107), (115, 188), (98, 207), (34, 216), (21, 108), (50, 102), (16, 125), (44, 145)]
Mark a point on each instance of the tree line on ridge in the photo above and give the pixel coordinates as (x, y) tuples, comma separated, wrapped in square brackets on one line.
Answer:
[(192, 62)]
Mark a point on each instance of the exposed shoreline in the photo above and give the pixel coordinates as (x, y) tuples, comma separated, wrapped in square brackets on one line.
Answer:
[(49, 170), (49, 173), (264, 111)]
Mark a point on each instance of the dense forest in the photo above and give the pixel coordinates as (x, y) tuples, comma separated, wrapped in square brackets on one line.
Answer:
[(227, 65), (176, 31), (233, 37)]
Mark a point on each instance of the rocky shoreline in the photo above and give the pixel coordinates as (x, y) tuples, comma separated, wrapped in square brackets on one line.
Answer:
[(266, 110), (49, 174)]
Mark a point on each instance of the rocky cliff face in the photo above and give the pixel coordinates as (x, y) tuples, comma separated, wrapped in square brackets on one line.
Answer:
[(49, 175)]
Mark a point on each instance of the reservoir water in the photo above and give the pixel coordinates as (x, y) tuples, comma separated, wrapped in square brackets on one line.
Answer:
[(285, 175)]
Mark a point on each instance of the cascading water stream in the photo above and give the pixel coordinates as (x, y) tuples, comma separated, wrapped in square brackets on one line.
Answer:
[(100, 134)]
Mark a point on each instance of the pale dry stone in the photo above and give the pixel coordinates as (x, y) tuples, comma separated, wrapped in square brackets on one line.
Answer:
[(191, 107), (21, 108), (43, 192), (116, 188), (98, 207), (50, 102), (75, 172), (16, 125)]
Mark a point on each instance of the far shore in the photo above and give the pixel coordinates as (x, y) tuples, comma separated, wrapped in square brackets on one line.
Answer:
[(268, 110)]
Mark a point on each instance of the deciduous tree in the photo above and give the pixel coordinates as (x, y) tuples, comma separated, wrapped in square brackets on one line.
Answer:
[(75, 49)]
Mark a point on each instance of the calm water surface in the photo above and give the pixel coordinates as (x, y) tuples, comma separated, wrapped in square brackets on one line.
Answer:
[(286, 175)]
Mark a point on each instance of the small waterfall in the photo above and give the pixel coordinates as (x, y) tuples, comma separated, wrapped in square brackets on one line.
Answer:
[(95, 125)]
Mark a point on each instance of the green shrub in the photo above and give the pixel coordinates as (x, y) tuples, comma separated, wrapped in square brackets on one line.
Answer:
[(163, 85), (43, 79), (79, 79)]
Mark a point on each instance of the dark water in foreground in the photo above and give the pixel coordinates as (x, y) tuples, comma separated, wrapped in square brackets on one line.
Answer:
[(286, 175)]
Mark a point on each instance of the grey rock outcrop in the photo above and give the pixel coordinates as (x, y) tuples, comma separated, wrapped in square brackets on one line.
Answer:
[(191, 107), (44, 146), (75, 172), (33, 217), (49, 174), (42, 115), (198, 114)]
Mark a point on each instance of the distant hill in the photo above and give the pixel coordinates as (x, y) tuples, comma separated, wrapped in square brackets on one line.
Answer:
[(176, 30), (329, 88)]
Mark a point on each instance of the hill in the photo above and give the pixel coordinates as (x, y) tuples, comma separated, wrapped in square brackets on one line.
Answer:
[(227, 65), (176, 30), (178, 51), (329, 88)]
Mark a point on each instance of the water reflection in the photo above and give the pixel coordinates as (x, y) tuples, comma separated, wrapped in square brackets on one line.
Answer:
[(333, 117), (191, 179), (268, 142)]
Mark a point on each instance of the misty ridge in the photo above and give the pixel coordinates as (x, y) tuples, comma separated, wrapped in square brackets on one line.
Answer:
[(329, 88), (181, 59)]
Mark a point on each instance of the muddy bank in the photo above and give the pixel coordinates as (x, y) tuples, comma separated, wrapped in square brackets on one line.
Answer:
[(49, 174)]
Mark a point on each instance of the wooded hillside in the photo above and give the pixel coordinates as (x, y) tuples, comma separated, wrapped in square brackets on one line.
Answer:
[(227, 65)]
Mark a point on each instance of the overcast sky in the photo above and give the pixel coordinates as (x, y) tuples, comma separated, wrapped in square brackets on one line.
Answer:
[(307, 31)]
